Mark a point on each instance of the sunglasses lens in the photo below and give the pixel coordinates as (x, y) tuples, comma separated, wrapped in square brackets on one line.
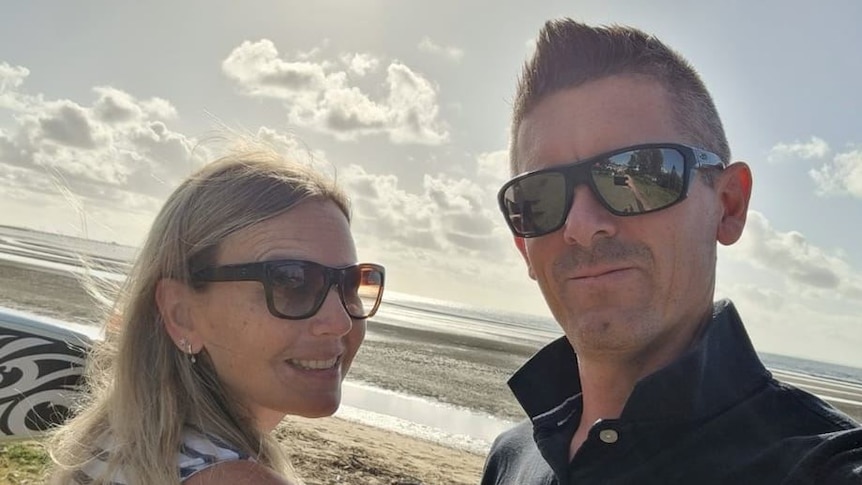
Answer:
[(628, 183), (640, 181), (296, 287), (361, 290), (536, 204)]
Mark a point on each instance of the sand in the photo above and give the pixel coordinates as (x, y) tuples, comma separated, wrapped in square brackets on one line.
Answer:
[(464, 371)]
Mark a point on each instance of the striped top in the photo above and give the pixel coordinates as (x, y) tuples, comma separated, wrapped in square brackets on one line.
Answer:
[(198, 451)]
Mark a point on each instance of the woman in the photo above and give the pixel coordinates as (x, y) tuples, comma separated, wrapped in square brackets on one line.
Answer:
[(246, 304)]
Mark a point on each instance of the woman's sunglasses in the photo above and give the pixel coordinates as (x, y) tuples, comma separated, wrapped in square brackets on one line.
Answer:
[(627, 182), (296, 289)]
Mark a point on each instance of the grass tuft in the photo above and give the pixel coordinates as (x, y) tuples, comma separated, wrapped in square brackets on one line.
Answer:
[(23, 463)]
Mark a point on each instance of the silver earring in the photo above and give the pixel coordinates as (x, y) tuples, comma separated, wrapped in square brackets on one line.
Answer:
[(192, 357), (188, 349)]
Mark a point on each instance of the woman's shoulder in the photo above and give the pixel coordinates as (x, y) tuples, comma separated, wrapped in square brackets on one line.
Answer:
[(200, 451), (237, 472)]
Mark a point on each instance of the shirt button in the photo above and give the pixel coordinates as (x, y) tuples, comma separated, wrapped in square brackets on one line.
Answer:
[(609, 435)]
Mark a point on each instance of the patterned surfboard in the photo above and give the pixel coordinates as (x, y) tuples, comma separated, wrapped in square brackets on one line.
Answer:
[(41, 362)]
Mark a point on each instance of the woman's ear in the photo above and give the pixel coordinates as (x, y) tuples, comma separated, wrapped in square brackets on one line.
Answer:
[(734, 189), (174, 300)]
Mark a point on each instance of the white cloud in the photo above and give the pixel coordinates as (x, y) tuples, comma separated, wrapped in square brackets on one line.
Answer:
[(806, 268), (814, 149), (294, 149), (11, 78), (494, 166), (451, 53), (413, 110), (115, 106), (449, 217), (117, 150), (360, 64), (315, 51), (68, 124), (258, 70), (381, 207), (322, 98), (798, 326), (843, 175), (446, 231), (346, 112), (796, 298)]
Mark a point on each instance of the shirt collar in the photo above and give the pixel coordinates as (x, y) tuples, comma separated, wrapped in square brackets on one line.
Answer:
[(717, 372)]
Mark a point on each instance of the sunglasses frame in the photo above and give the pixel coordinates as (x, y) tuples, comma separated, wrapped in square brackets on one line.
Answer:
[(262, 271), (579, 172)]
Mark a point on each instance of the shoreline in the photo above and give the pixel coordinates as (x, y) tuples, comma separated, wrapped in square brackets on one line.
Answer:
[(458, 369)]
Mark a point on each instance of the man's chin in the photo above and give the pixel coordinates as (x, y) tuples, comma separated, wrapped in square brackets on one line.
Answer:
[(607, 328)]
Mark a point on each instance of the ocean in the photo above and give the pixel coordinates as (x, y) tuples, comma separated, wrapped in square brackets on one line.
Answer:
[(438, 314)]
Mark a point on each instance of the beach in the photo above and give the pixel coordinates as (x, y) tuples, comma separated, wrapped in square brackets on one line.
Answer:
[(460, 370), (415, 354)]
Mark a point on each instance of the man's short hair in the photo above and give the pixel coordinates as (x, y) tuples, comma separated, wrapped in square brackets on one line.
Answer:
[(569, 54)]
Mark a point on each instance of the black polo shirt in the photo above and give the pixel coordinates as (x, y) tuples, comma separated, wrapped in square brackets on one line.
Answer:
[(714, 416)]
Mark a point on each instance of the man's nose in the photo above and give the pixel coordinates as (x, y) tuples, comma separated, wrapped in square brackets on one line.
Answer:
[(587, 219)]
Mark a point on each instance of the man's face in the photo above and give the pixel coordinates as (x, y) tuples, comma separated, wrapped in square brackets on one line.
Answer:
[(634, 286)]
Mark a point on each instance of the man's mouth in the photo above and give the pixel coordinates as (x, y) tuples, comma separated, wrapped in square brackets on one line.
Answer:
[(595, 272)]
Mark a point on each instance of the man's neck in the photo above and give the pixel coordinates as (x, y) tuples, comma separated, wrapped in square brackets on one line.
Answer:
[(605, 390), (607, 381)]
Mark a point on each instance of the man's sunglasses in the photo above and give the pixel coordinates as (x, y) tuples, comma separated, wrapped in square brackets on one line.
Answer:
[(627, 182), (296, 289)]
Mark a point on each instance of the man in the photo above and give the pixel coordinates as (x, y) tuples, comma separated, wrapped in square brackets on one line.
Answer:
[(625, 190)]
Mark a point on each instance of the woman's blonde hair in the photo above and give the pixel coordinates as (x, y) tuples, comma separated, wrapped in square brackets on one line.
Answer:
[(141, 390)]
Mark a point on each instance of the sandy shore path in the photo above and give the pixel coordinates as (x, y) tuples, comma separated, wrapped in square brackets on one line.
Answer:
[(458, 370)]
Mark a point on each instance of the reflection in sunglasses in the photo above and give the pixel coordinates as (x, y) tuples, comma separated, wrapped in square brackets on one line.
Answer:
[(630, 181)]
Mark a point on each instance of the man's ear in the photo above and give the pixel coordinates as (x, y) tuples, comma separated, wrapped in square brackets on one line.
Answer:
[(734, 189), (174, 301), (521, 244)]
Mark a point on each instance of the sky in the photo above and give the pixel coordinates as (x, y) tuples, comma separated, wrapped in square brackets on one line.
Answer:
[(106, 106)]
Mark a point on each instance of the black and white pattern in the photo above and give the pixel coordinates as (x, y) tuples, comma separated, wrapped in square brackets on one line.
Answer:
[(39, 376)]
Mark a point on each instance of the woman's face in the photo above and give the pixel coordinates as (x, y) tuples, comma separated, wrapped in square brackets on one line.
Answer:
[(273, 365)]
